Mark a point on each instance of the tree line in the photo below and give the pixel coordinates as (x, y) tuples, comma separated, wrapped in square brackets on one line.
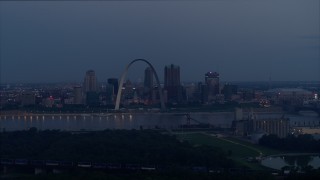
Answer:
[(112, 146), (300, 143)]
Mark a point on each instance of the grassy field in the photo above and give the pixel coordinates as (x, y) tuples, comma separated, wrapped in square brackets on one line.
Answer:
[(265, 151), (237, 150)]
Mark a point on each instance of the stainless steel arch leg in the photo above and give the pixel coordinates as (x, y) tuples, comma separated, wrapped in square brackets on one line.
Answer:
[(123, 76)]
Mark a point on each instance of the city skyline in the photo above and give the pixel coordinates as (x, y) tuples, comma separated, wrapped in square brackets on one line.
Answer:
[(242, 41)]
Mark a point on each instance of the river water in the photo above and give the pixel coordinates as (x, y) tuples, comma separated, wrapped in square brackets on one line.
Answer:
[(292, 160), (78, 122)]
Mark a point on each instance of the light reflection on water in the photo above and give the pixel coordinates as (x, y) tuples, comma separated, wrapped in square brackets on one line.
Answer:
[(132, 121), (300, 161), (111, 121)]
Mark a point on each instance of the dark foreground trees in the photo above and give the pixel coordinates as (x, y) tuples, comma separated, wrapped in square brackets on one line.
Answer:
[(111, 146), (300, 143)]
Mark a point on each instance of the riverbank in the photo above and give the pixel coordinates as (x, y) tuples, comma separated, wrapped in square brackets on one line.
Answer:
[(243, 153), (177, 113)]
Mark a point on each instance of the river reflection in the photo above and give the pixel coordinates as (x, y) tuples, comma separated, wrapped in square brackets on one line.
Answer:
[(301, 161), (111, 121), (75, 122)]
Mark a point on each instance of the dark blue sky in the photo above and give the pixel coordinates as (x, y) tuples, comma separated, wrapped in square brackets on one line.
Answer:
[(245, 40)]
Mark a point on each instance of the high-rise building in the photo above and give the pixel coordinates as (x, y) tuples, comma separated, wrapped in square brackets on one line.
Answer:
[(148, 78), (114, 82), (90, 82), (109, 94), (171, 75), (212, 82), (172, 82), (77, 92)]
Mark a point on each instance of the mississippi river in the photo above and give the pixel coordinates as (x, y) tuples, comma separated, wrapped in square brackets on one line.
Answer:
[(76, 122)]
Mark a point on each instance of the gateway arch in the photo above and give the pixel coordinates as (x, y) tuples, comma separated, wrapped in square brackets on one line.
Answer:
[(123, 76)]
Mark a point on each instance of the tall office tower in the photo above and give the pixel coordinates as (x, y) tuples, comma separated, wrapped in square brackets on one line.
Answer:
[(109, 94), (114, 82), (148, 78), (171, 75), (212, 82), (77, 92), (90, 82), (172, 83)]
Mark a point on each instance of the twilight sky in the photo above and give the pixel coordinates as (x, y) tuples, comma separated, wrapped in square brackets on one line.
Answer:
[(243, 40)]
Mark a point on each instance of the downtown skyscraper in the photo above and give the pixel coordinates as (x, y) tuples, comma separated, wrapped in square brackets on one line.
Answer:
[(172, 83), (212, 81), (213, 84), (148, 78), (90, 82), (90, 89)]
